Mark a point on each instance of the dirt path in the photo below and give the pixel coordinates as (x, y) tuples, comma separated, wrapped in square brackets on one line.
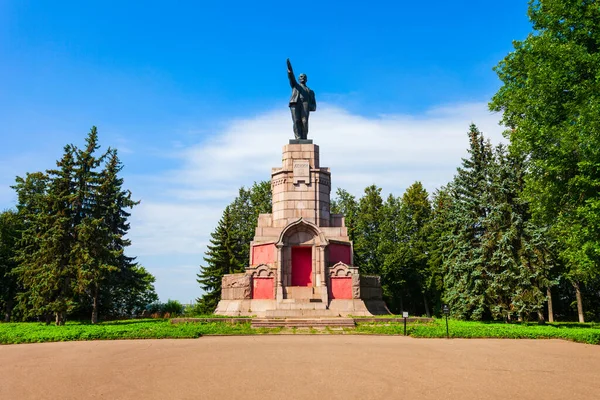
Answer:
[(301, 367)]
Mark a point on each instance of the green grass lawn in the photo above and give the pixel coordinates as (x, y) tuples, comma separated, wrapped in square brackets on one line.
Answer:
[(31, 332), (584, 333)]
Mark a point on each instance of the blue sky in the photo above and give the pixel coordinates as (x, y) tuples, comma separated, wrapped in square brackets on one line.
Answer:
[(194, 95)]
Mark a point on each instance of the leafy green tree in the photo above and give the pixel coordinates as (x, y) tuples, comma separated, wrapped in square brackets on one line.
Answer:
[(344, 203), (9, 237), (393, 250), (550, 100), (438, 228), (222, 257), (368, 231), (415, 215), (127, 291)]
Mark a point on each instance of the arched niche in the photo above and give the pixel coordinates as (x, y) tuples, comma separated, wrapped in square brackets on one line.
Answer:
[(301, 244), (301, 233)]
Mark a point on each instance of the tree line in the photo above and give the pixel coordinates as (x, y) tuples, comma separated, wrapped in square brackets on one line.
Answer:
[(62, 250), (472, 244)]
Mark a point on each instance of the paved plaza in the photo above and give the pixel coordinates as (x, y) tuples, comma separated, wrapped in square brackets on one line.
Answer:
[(301, 367)]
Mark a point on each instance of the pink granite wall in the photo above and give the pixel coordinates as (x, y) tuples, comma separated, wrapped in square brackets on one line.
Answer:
[(341, 287), (339, 252), (262, 288), (263, 254)]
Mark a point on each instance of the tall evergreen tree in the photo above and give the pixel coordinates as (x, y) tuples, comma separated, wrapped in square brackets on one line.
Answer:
[(46, 269), (102, 238), (9, 236), (498, 262), (465, 276), (221, 259), (92, 239), (517, 251)]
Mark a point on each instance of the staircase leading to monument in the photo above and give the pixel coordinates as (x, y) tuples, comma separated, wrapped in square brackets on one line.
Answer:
[(303, 323)]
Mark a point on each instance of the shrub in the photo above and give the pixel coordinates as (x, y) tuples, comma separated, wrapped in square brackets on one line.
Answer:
[(172, 307)]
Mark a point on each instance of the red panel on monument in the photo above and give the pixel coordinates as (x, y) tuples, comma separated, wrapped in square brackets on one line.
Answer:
[(339, 252), (262, 288), (263, 254), (341, 287), (301, 266)]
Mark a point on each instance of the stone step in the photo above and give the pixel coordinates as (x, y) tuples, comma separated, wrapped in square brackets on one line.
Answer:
[(302, 306), (301, 313), (312, 300), (303, 322)]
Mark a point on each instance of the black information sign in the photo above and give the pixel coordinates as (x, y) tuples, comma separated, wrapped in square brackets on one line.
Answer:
[(446, 311)]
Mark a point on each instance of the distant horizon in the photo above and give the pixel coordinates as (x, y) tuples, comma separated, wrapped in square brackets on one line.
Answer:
[(195, 100)]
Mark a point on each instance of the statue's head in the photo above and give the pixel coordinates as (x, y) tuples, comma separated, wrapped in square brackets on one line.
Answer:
[(303, 78)]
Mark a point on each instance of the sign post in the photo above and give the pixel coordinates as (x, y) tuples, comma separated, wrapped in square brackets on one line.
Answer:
[(446, 311), (404, 315)]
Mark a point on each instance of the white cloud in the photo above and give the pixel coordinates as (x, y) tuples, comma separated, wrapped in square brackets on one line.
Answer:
[(396, 149), (181, 207)]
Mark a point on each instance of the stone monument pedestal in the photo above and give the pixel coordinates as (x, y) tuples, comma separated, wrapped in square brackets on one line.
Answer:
[(301, 259)]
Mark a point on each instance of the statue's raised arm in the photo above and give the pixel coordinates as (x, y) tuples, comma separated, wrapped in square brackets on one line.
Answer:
[(290, 72)]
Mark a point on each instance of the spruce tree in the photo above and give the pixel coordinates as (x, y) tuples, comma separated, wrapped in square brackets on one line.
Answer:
[(102, 237), (92, 238), (221, 259), (520, 251), (46, 270), (465, 275), (10, 228), (497, 262)]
